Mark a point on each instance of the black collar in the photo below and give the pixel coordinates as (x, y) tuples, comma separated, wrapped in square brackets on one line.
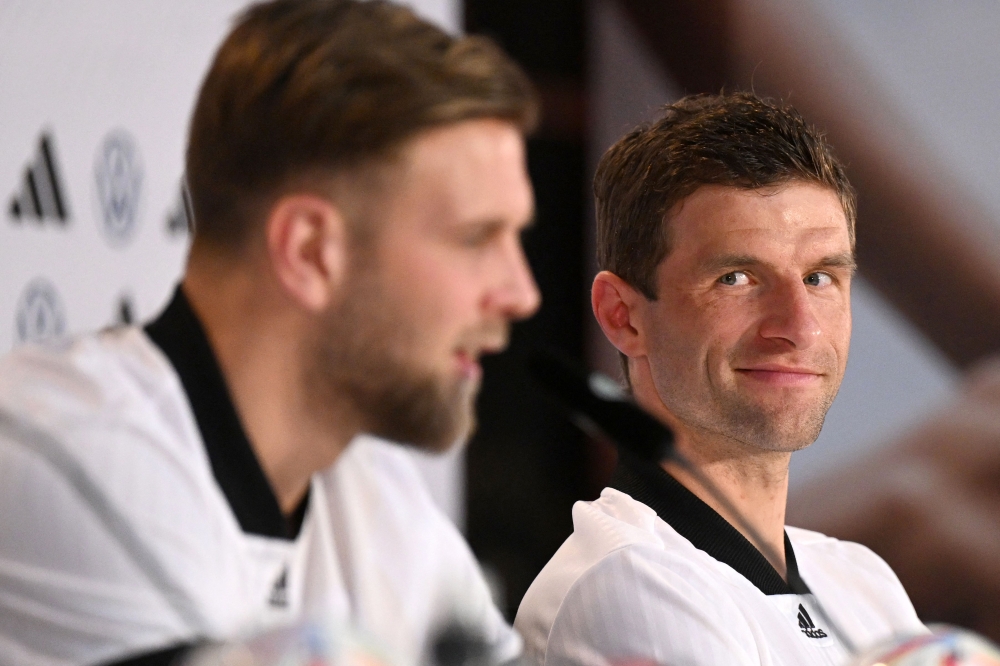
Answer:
[(701, 524), (180, 335)]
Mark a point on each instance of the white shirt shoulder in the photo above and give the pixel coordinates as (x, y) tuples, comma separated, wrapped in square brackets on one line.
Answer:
[(81, 381), (626, 586), (623, 587), (85, 427)]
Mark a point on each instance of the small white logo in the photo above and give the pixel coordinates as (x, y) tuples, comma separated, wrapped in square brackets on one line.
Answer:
[(40, 313), (118, 177)]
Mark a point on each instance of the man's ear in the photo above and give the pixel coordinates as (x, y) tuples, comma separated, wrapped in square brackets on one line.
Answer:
[(307, 246), (616, 306)]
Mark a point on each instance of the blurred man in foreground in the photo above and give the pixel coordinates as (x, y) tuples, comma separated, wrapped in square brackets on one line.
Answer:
[(725, 235), (358, 182)]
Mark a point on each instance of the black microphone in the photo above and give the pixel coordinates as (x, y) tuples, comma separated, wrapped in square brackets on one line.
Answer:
[(597, 402)]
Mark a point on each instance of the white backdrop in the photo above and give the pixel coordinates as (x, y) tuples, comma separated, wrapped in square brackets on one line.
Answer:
[(92, 232)]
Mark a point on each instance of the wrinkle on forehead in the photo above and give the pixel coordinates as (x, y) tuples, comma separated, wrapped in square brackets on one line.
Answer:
[(804, 214)]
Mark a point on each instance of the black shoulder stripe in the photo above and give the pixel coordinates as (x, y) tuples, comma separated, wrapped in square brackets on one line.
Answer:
[(701, 524), (170, 656)]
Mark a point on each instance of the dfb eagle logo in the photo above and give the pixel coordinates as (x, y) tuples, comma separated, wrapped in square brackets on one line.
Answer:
[(118, 178), (40, 313)]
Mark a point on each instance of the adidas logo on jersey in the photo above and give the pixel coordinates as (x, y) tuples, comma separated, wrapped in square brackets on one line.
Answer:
[(807, 626), (41, 195), (279, 591)]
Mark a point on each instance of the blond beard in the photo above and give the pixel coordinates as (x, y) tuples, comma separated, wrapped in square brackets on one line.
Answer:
[(363, 357)]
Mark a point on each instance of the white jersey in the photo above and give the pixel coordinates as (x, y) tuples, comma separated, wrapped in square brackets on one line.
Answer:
[(134, 516), (680, 586)]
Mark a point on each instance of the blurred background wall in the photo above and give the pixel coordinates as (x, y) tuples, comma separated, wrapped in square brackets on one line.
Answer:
[(94, 102)]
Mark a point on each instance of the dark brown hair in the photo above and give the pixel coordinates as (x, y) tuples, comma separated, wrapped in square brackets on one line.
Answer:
[(736, 140), (305, 87)]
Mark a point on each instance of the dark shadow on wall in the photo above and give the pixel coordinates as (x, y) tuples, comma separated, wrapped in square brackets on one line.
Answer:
[(526, 465)]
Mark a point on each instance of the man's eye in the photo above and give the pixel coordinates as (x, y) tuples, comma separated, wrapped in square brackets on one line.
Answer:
[(734, 279), (818, 279), (474, 240), (479, 236)]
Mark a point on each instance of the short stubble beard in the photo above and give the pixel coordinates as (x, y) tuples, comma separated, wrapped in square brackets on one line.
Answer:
[(728, 413), (763, 429)]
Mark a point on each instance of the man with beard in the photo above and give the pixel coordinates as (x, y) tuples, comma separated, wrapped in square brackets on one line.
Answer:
[(725, 235), (358, 184)]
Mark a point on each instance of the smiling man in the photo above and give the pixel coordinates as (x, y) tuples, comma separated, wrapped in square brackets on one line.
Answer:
[(725, 235), (359, 188)]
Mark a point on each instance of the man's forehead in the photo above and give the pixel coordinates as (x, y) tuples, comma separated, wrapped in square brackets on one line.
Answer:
[(745, 237), (794, 213), (432, 151), (473, 169)]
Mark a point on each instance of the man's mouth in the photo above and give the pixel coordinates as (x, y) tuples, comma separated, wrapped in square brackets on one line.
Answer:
[(469, 351), (777, 374), (467, 361)]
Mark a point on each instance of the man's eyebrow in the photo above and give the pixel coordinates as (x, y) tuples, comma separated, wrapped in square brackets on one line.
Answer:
[(492, 226), (842, 260), (730, 261), (501, 221), (725, 261)]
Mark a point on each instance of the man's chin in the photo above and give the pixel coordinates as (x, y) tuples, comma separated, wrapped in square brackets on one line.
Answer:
[(429, 418), (459, 441), (462, 426), (790, 437), (776, 430)]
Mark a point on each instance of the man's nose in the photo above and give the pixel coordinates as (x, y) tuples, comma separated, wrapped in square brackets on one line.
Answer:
[(517, 297), (790, 316)]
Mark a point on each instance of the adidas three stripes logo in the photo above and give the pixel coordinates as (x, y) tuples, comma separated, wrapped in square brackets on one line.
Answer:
[(42, 195), (807, 626)]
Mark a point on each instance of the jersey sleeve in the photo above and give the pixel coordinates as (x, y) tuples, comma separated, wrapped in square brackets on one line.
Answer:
[(69, 593), (629, 608)]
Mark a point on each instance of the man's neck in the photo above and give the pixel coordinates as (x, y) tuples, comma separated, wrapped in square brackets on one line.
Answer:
[(755, 482), (258, 352)]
